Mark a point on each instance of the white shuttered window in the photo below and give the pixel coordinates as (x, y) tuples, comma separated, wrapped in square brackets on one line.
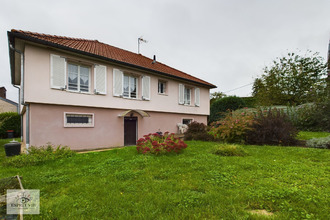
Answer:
[(100, 79), (197, 97), (58, 72), (187, 96), (146, 87), (117, 82)]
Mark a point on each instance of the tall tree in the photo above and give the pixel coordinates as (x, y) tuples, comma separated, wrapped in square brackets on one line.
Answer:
[(215, 96), (292, 79)]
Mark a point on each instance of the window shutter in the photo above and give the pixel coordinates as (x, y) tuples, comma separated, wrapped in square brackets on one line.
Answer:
[(57, 72), (100, 79), (181, 94), (146, 87), (197, 97), (117, 82)]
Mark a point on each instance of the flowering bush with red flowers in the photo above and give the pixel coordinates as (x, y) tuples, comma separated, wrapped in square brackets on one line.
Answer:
[(160, 144)]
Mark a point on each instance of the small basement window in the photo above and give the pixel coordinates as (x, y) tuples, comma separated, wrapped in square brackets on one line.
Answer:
[(78, 119), (186, 121)]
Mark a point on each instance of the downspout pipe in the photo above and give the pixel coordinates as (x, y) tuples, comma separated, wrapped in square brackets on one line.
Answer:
[(19, 109), (21, 99), (22, 73)]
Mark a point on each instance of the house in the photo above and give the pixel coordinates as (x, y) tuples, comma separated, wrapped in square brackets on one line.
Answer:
[(86, 94), (6, 105)]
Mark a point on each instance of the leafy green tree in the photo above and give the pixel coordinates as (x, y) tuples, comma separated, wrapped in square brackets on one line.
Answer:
[(292, 79), (216, 95)]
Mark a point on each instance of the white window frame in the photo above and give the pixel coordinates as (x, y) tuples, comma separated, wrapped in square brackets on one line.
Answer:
[(191, 120), (185, 96), (129, 86), (78, 81), (78, 125), (165, 87)]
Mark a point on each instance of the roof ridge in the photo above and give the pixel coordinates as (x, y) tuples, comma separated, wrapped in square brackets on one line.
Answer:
[(52, 36), (95, 47)]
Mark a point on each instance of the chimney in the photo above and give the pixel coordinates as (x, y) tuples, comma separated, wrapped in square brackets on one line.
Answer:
[(3, 92), (154, 61)]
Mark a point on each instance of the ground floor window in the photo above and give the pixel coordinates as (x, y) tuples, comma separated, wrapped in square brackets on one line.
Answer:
[(78, 119), (186, 121)]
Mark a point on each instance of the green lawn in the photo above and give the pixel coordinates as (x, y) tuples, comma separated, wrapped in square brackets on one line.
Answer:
[(291, 182), (305, 135)]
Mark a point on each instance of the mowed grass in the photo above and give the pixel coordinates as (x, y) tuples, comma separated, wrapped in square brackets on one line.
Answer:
[(290, 182), (306, 135)]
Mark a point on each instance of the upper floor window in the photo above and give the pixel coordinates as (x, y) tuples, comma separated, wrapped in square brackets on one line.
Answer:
[(78, 78), (187, 96), (130, 87), (161, 87), (74, 77)]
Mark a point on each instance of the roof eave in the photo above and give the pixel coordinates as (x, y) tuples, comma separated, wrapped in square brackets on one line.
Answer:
[(46, 43)]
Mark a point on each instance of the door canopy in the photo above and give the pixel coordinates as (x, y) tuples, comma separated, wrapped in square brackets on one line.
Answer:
[(140, 112)]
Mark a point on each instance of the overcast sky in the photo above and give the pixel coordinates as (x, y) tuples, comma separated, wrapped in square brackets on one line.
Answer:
[(225, 42)]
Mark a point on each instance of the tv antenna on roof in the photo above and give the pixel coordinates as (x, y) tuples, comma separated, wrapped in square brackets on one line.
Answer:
[(140, 39)]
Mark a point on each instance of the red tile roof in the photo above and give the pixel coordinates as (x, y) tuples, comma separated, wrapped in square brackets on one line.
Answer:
[(105, 51)]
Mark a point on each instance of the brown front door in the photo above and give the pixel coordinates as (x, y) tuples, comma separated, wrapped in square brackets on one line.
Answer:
[(130, 130)]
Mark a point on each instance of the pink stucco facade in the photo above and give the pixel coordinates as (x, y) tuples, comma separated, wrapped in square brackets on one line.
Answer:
[(47, 126), (38, 89), (48, 106)]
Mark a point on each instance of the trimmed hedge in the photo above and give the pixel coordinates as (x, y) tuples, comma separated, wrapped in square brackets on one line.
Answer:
[(10, 121), (221, 106), (250, 102)]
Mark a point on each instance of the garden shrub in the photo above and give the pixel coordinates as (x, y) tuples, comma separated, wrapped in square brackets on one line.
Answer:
[(272, 127), (220, 107), (197, 131), (249, 102), (229, 150), (321, 116), (311, 117), (160, 144), (303, 116), (10, 121), (38, 156), (319, 142), (233, 127)]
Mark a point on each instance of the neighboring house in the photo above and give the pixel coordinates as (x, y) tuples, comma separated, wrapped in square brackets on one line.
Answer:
[(6, 105), (86, 94)]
